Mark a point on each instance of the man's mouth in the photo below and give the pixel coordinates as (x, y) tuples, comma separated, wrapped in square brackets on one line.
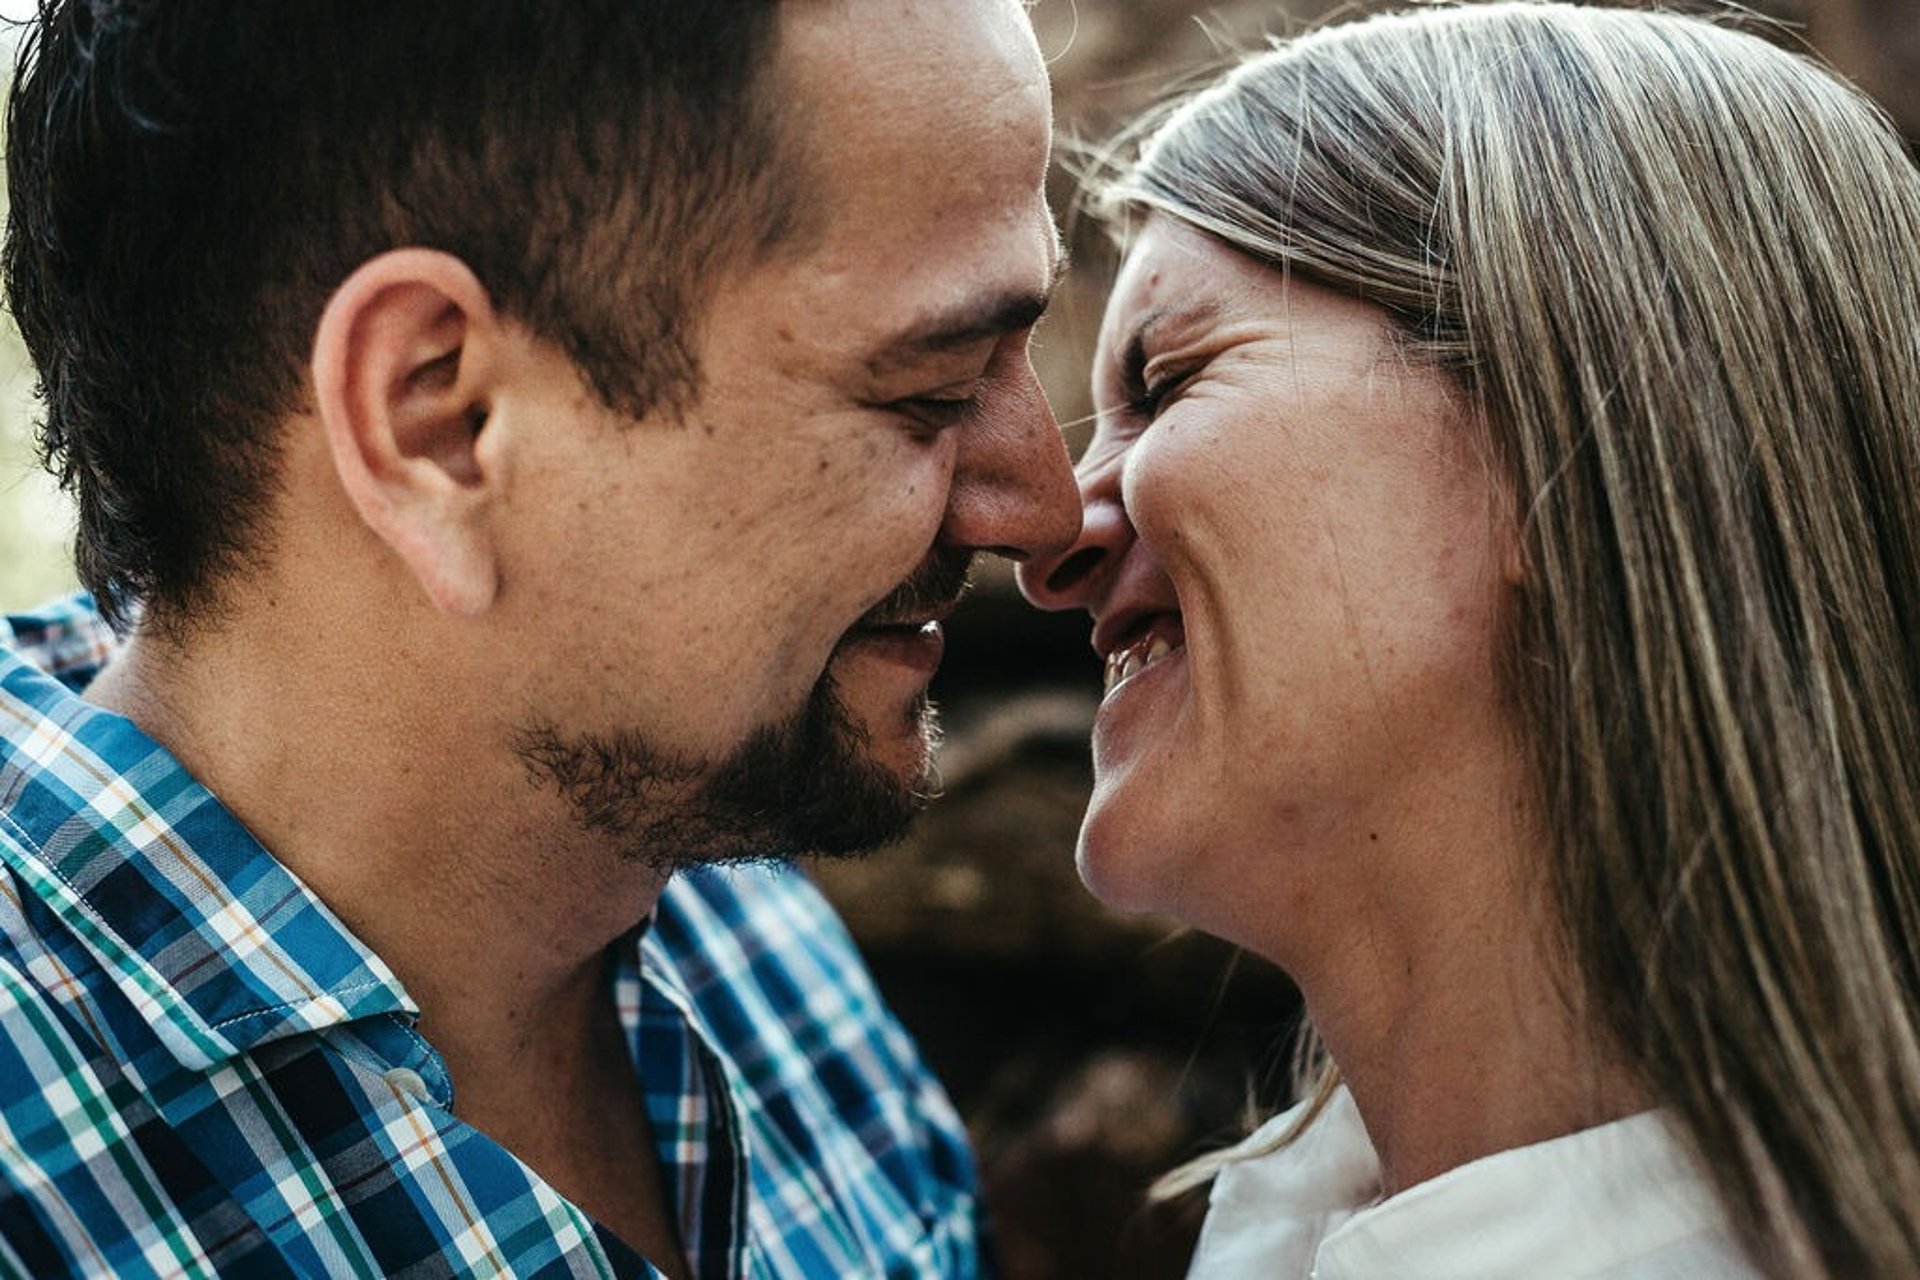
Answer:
[(918, 625), (905, 627), (919, 647), (931, 594), (917, 620), (1156, 638)]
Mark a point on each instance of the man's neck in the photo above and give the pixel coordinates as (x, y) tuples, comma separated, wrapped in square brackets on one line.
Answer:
[(418, 829), (555, 1085), (487, 903)]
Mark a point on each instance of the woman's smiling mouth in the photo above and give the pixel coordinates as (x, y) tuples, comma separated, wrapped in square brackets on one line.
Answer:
[(1163, 634)]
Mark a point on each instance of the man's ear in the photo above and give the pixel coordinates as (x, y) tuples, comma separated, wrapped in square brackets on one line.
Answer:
[(405, 363)]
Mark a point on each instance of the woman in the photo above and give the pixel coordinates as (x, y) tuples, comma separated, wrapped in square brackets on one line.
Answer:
[(1501, 533)]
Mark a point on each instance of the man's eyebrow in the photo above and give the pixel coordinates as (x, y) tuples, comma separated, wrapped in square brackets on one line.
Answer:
[(974, 320)]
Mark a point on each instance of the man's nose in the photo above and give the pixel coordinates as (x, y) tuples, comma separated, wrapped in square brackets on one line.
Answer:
[(1013, 487), (1069, 578)]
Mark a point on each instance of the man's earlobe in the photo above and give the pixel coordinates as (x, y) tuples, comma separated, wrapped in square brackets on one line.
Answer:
[(405, 360)]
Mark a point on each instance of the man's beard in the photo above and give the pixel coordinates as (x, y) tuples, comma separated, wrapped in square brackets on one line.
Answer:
[(806, 785)]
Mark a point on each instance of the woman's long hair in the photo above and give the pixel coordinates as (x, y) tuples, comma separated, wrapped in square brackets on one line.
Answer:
[(1677, 271)]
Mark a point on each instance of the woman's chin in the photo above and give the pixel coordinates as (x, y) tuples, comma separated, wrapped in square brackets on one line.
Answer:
[(1124, 870)]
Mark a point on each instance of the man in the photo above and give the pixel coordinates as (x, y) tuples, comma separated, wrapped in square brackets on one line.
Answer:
[(532, 448)]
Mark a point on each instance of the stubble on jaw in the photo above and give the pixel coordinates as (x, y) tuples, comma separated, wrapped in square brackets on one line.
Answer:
[(804, 786)]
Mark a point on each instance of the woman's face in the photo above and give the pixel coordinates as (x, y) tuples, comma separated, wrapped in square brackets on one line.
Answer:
[(1293, 557)]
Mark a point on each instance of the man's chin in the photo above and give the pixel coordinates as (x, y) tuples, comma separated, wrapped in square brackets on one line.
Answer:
[(891, 733), (829, 783), (822, 782)]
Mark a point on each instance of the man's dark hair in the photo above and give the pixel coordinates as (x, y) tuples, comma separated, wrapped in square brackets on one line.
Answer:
[(191, 179)]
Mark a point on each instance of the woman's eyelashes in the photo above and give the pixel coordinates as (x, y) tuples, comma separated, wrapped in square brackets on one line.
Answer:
[(1149, 390), (1152, 396), (1126, 405), (1146, 385)]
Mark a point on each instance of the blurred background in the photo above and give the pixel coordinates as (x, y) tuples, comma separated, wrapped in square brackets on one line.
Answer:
[(1089, 1052)]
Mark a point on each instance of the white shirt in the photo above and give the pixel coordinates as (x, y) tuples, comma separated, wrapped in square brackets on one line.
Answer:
[(1622, 1201)]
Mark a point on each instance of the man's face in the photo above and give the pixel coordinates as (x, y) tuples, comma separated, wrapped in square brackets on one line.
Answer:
[(744, 599)]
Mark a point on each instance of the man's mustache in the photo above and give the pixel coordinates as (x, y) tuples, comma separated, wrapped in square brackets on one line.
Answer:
[(936, 586)]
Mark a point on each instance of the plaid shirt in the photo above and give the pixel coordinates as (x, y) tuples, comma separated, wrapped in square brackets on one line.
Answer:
[(202, 1072)]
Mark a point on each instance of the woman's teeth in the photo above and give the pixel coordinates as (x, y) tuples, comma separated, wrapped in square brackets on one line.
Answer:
[(1124, 664)]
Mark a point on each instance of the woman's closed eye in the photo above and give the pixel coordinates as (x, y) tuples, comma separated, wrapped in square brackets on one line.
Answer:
[(1147, 385), (1150, 392), (1151, 397)]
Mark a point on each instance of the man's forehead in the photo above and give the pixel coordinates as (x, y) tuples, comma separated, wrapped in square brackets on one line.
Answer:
[(836, 36), (912, 74), (923, 132)]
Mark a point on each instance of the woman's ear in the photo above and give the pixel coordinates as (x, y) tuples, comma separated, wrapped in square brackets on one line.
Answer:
[(406, 359), (1513, 555)]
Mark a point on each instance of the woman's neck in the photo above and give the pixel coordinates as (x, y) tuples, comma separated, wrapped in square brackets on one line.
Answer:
[(1467, 1048)]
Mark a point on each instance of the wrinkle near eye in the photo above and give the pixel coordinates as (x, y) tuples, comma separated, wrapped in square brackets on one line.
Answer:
[(1103, 450)]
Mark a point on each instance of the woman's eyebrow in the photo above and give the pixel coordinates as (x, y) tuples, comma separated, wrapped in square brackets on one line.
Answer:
[(1150, 331)]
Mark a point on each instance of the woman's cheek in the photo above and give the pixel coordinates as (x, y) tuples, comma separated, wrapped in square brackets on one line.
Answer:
[(1153, 485), (1177, 484)]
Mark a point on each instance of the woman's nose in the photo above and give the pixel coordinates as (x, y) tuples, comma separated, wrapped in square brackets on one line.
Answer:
[(1070, 578)]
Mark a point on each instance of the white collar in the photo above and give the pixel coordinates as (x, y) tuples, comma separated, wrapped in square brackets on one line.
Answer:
[(1620, 1200)]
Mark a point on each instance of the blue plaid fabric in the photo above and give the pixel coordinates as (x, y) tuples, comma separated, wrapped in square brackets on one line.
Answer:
[(203, 1073)]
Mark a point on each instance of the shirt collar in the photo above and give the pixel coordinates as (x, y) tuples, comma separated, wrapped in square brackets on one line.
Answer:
[(1604, 1197), (216, 945)]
